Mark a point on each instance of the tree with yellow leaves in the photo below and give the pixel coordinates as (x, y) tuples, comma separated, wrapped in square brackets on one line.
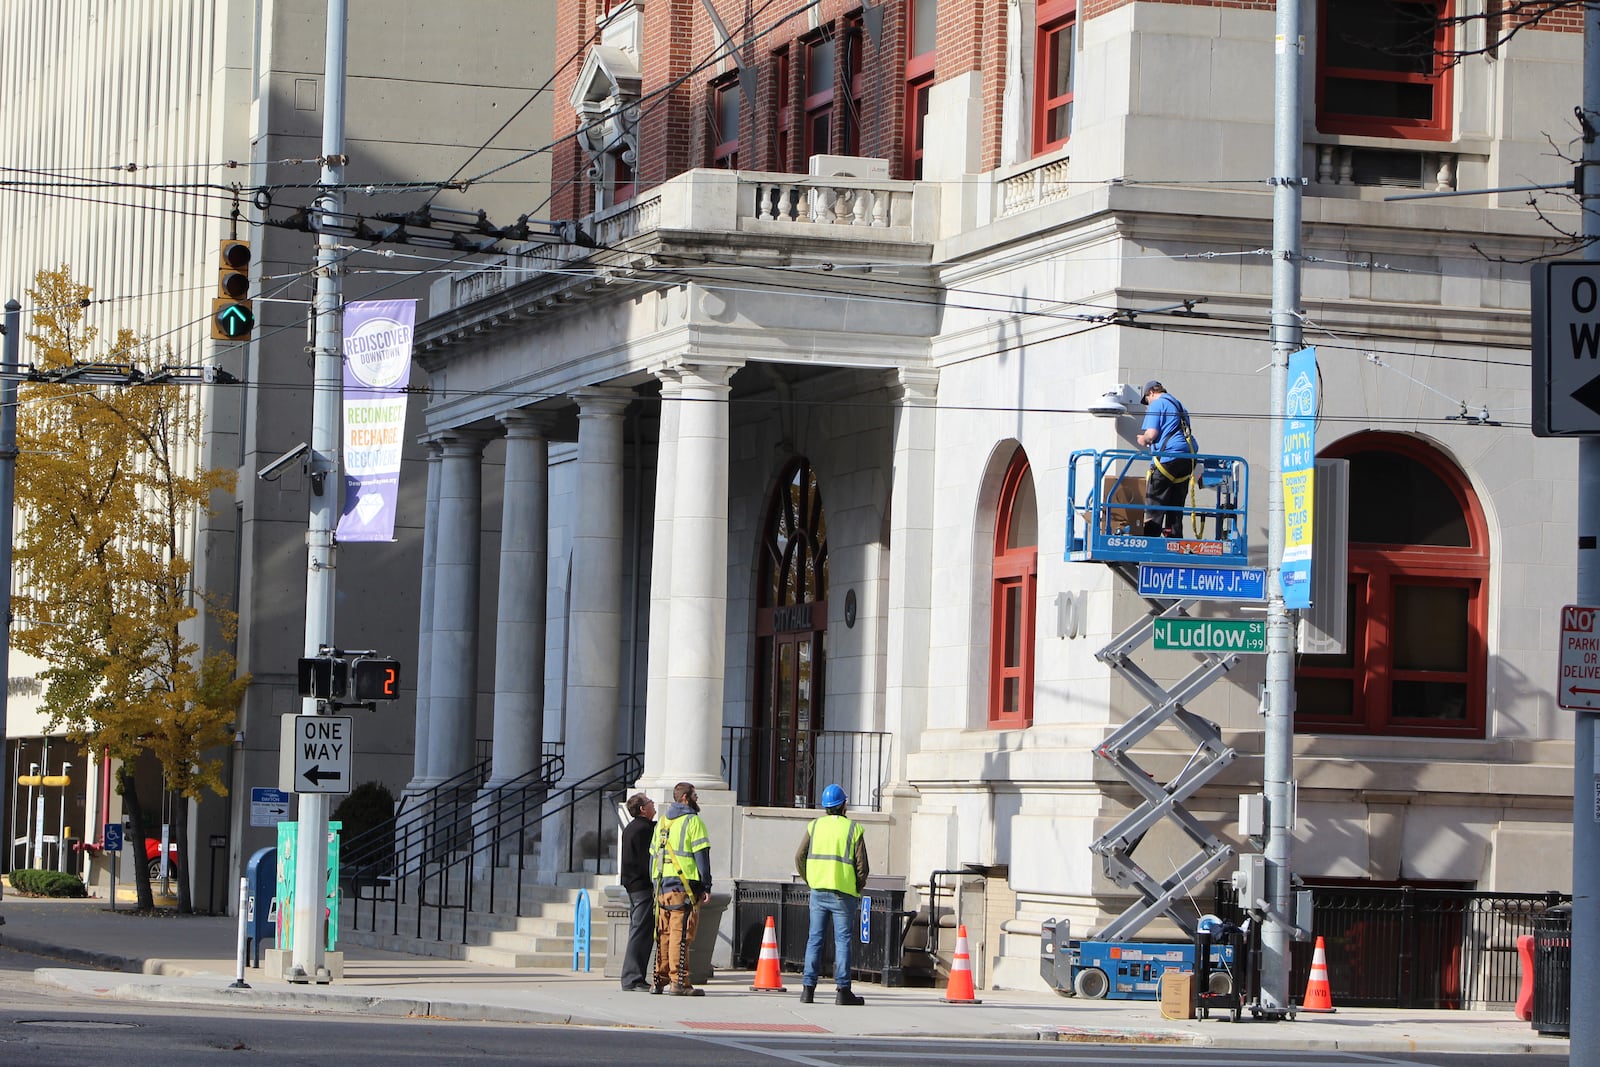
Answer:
[(106, 488)]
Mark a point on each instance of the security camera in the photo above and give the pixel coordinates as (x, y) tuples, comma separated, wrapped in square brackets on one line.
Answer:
[(283, 462)]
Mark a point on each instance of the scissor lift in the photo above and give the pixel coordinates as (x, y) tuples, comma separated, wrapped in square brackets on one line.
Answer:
[(1105, 525)]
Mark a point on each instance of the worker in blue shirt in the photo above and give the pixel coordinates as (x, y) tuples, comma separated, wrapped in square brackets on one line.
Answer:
[(1167, 434)]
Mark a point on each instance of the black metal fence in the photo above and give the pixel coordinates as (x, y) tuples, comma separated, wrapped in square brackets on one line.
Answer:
[(879, 959), (769, 769), (1410, 947)]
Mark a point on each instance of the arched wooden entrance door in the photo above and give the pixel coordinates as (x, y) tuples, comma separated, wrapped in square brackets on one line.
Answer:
[(791, 642)]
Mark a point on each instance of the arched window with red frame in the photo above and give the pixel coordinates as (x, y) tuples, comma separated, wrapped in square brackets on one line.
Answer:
[(1415, 662), (1014, 598)]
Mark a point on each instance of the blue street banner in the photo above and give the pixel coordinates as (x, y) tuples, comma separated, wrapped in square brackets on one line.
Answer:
[(377, 369), (1299, 471)]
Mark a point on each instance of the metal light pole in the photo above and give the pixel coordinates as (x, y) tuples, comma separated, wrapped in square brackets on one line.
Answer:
[(311, 849), (1585, 1048), (8, 478), (1278, 694)]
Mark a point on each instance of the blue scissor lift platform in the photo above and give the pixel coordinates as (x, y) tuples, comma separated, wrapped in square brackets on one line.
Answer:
[(1106, 525)]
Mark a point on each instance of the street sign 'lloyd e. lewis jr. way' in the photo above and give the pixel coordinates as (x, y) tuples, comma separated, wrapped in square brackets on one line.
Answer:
[(1579, 684)]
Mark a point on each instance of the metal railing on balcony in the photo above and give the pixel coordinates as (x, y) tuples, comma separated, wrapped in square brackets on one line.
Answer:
[(769, 768)]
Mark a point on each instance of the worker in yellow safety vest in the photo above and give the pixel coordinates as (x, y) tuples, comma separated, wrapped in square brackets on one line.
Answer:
[(680, 867), (833, 860)]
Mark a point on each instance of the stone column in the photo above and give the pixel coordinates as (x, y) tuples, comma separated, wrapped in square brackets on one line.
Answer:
[(523, 595), (910, 591), (453, 687), (430, 542), (656, 717), (594, 626), (697, 642)]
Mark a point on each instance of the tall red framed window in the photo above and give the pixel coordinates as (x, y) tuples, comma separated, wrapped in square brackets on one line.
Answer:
[(1014, 598), (922, 58), (855, 44), (1382, 68), (818, 95), (785, 119), (1053, 65), (1415, 661), (724, 100)]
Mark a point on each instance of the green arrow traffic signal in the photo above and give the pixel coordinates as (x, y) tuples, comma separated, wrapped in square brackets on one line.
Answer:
[(232, 320)]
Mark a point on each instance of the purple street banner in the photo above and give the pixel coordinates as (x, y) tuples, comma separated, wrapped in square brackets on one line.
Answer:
[(377, 369)]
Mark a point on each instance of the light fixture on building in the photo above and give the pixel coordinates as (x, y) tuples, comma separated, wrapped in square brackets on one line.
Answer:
[(1116, 402)]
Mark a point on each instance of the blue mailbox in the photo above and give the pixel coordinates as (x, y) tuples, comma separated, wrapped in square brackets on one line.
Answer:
[(261, 876)]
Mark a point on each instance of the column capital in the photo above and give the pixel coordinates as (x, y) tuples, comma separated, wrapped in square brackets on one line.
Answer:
[(522, 422), (697, 371), (462, 442), (913, 385), (601, 401)]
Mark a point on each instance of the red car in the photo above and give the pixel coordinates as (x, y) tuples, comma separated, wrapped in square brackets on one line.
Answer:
[(152, 855)]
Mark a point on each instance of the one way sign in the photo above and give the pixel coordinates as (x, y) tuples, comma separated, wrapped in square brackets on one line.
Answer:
[(315, 753), (1566, 348)]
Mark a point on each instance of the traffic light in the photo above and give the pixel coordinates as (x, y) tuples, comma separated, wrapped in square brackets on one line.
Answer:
[(374, 679), (232, 315)]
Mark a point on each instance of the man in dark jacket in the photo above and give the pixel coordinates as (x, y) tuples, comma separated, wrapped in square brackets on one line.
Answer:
[(635, 871)]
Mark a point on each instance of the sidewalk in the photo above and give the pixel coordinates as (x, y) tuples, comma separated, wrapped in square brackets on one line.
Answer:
[(191, 960)]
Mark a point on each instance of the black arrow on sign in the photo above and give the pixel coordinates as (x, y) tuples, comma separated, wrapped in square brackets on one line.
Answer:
[(1588, 395), (315, 774)]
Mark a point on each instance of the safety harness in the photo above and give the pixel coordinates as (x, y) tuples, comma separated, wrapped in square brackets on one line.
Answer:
[(1155, 461), (681, 971)]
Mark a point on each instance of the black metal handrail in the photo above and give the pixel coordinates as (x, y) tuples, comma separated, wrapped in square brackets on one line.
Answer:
[(436, 857), (766, 767), (371, 861)]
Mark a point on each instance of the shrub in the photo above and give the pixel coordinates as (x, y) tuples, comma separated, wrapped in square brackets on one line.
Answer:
[(369, 804), (48, 883)]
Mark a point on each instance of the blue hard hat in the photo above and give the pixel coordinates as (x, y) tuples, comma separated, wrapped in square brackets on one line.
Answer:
[(833, 797)]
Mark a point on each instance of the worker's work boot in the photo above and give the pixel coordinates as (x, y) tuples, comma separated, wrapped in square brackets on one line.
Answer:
[(844, 996), (808, 993)]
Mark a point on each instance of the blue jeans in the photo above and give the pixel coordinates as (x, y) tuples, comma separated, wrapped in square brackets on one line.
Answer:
[(844, 910)]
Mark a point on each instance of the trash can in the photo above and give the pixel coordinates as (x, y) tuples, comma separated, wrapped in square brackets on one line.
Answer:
[(1552, 970), (617, 908)]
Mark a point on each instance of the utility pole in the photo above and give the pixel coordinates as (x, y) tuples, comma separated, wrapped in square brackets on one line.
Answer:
[(1277, 699), (8, 482), (1585, 1036), (311, 847)]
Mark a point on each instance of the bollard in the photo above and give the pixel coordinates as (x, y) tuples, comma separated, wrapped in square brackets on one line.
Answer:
[(238, 970)]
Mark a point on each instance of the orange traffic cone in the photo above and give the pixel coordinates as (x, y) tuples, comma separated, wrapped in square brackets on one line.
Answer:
[(1319, 998), (768, 979), (959, 989)]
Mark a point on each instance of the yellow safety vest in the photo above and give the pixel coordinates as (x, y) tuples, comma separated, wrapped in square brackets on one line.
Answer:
[(672, 853), (831, 861)]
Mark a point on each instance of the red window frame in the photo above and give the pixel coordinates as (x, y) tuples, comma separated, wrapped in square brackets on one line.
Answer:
[(1377, 571), (1056, 42), (818, 98), (920, 71), (724, 100), (1013, 609), (1334, 111)]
